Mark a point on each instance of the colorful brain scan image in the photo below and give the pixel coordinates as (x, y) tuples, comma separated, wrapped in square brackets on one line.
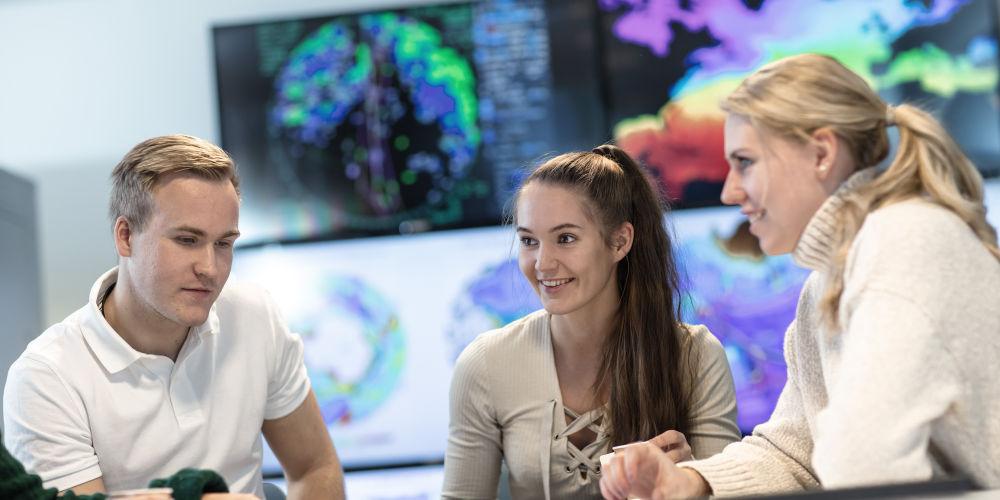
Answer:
[(358, 124), (354, 349), (366, 91), (669, 63)]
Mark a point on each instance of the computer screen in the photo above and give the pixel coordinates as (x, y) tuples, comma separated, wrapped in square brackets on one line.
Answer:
[(400, 121), (383, 320), (746, 299), (667, 65)]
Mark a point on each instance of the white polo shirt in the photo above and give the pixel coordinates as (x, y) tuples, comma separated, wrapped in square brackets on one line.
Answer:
[(80, 403)]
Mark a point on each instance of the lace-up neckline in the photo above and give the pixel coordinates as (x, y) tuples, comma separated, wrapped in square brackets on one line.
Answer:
[(585, 460)]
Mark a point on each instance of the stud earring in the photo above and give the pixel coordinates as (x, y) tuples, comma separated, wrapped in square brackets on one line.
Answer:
[(823, 167)]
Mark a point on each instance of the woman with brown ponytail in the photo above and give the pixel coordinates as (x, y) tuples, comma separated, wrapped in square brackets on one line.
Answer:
[(892, 356), (606, 362)]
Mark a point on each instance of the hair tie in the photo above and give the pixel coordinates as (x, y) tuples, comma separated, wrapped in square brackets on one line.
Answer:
[(605, 151), (890, 115)]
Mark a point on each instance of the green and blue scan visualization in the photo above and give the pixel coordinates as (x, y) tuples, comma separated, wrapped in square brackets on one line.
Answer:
[(373, 89), (356, 125), (670, 62), (389, 122)]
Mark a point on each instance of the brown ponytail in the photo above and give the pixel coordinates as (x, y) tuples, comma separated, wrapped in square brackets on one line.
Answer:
[(645, 366)]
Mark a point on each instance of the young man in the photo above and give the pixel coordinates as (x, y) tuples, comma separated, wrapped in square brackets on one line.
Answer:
[(165, 367)]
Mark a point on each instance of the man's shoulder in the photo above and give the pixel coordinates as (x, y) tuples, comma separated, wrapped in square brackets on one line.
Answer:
[(57, 357), (64, 338)]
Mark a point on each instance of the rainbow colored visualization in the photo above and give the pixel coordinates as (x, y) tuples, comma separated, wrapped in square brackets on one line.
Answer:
[(383, 100), (354, 349), (747, 303), (903, 48)]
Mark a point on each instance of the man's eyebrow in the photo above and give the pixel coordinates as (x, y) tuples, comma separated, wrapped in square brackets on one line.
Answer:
[(188, 229), (198, 232)]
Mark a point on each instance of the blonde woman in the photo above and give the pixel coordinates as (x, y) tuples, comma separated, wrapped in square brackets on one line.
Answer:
[(892, 354)]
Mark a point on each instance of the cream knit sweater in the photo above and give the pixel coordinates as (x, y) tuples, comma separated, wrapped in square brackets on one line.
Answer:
[(909, 388), (506, 405)]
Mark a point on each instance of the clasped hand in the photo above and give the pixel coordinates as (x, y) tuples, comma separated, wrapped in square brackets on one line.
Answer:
[(646, 470)]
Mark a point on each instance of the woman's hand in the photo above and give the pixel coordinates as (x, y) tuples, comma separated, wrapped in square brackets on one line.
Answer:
[(674, 444), (646, 471)]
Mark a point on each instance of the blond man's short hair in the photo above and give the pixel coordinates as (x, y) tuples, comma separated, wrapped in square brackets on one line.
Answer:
[(150, 161)]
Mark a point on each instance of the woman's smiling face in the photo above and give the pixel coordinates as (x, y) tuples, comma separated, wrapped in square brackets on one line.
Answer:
[(562, 251), (774, 182)]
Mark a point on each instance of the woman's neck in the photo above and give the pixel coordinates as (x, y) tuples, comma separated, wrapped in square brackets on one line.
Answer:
[(578, 348)]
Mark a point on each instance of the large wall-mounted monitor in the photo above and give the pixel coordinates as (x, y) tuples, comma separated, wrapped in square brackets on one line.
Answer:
[(667, 64), (403, 120), (383, 320)]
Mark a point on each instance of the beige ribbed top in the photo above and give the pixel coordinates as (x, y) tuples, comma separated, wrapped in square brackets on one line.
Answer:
[(907, 390), (506, 405)]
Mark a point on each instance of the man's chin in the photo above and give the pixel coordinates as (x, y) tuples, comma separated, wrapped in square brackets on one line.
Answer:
[(193, 319)]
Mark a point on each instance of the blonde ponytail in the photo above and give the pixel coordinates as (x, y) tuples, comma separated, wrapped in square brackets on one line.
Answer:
[(928, 163), (800, 94)]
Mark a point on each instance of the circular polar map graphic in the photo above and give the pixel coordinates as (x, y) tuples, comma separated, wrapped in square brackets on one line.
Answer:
[(354, 349)]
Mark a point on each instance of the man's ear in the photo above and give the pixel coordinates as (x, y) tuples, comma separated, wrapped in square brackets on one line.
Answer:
[(621, 240), (123, 236), (827, 147)]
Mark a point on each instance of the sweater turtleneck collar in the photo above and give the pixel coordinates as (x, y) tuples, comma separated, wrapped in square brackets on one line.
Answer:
[(813, 250)]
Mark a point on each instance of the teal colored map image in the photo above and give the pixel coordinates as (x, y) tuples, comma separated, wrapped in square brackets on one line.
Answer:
[(354, 349), (498, 295)]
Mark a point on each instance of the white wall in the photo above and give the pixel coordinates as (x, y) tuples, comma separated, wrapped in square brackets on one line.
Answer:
[(19, 295), (82, 81)]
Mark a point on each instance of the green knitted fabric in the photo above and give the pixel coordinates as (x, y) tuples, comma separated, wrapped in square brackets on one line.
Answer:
[(15, 482), (69, 495), (190, 484)]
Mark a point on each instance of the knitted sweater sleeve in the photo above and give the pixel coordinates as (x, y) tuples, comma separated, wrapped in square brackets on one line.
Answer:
[(472, 460), (713, 401), (776, 457)]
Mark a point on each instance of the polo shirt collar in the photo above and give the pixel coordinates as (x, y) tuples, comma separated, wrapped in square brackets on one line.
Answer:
[(109, 348)]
